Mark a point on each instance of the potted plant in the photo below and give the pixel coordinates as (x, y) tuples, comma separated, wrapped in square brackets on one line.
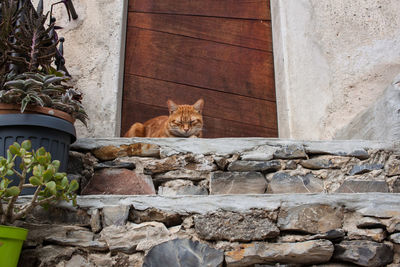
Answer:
[(36, 101), (36, 170)]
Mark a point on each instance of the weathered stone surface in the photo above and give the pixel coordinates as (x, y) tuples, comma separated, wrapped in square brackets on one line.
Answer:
[(392, 225), (152, 214), (369, 223), (237, 183), (223, 161), (377, 205), (111, 152), (396, 185), (282, 182), (362, 186), (76, 260), (66, 235), (230, 146), (199, 163), (115, 215), (231, 226), (309, 252), (395, 238), (332, 235), (325, 162), (313, 218), (392, 167), (348, 148), (364, 253), (183, 252), (115, 259), (181, 187), (291, 151), (261, 153), (353, 226), (260, 166), (59, 215), (129, 237), (192, 175), (119, 182), (95, 221), (45, 256), (360, 169)]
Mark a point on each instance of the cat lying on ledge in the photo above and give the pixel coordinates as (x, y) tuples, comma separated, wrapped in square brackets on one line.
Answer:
[(183, 121)]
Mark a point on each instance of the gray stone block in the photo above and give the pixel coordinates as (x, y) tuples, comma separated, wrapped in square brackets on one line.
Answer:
[(235, 226), (363, 186), (282, 182), (364, 253), (183, 252), (237, 183)]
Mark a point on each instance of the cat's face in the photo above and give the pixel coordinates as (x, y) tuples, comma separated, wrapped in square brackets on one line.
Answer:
[(185, 120)]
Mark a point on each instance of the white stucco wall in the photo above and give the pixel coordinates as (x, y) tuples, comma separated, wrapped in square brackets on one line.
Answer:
[(93, 52), (333, 59)]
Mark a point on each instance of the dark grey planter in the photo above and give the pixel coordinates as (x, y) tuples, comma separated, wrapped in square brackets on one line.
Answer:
[(54, 134)]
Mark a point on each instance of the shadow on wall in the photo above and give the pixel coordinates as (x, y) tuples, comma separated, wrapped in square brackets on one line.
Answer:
[(379, 122)]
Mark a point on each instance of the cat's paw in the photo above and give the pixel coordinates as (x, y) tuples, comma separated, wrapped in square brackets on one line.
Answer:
[(192, 136)]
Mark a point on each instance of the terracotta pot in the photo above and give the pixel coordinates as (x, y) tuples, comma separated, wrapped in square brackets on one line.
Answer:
[(15, 109)]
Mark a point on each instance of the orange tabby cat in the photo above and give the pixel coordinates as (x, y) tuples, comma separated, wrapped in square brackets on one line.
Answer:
[(183, 121)]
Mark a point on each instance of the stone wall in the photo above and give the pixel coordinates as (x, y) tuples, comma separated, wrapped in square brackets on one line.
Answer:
[(242, 230), (171, 167), (290, 203)]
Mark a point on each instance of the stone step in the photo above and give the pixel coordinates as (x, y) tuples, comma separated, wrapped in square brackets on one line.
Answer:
[(171, 166), (240, 230)]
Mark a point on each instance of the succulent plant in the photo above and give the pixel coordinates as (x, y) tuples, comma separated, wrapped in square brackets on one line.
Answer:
[(32, 70), (41, 172), (45, 90)]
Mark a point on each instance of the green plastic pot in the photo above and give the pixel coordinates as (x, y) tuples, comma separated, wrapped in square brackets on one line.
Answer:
[(11, 240)]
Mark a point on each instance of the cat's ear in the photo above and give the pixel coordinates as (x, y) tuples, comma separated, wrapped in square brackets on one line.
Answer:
[(172, 107), (198, 106)]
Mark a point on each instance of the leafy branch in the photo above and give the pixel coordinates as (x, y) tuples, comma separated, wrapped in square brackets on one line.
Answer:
[(41, 172)]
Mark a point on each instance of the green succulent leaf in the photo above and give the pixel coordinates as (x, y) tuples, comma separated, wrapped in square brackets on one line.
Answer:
[(73, 186), (48, 174), (51, 186), (35, 181), (13, 149), (13, 191), (27, 145), (64, 182)]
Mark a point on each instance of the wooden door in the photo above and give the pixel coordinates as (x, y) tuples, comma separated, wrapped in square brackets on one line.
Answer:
[(220, 50)]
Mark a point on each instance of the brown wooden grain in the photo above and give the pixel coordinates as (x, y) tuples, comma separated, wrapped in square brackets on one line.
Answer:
[(246, 9), (217, 104), (255, 34), (200, 63), (213, 127)]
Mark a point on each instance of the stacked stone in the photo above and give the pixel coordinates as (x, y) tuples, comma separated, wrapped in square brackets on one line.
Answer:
[(236, 230), (224, 202), (247, 166)]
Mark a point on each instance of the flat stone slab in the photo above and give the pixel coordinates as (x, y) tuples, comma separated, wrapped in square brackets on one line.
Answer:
[(378, 205), (226, 146)]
